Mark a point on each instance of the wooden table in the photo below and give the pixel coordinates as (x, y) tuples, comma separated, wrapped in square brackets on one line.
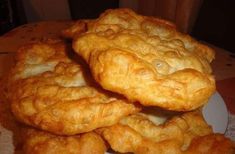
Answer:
[(223, 65)]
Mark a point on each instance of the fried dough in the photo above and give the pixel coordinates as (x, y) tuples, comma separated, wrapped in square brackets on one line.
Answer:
[(28, 140), (212, 143), (138, 134), (77, 28), (40, 142), (49, 91), (147, 60)]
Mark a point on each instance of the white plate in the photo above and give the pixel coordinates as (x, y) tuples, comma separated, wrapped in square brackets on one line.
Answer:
[(216, 114)]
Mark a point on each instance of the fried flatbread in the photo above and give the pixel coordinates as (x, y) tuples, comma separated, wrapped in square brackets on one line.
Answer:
[(40, 142), (147, 60), (49, 91), (181, 134)]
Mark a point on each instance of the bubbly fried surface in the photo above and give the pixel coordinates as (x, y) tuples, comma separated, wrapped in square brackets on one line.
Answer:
[(181, 134), (48, 90), (40, 142), (147, 60)]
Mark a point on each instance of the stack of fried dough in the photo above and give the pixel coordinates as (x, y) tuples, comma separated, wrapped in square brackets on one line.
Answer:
[(127, 84)]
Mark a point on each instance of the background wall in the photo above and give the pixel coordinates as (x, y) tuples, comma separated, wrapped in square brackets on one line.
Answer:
[(216, 23), (37, 10)]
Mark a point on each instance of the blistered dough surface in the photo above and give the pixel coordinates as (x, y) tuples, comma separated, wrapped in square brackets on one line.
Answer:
[(147, 60)]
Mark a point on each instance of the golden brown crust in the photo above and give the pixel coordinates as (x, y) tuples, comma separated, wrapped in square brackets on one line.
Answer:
[(123, 139), (40, 142), (147, 60), (138, 134), (212, 143), (28, 140), (77, 28), (48, 90)]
